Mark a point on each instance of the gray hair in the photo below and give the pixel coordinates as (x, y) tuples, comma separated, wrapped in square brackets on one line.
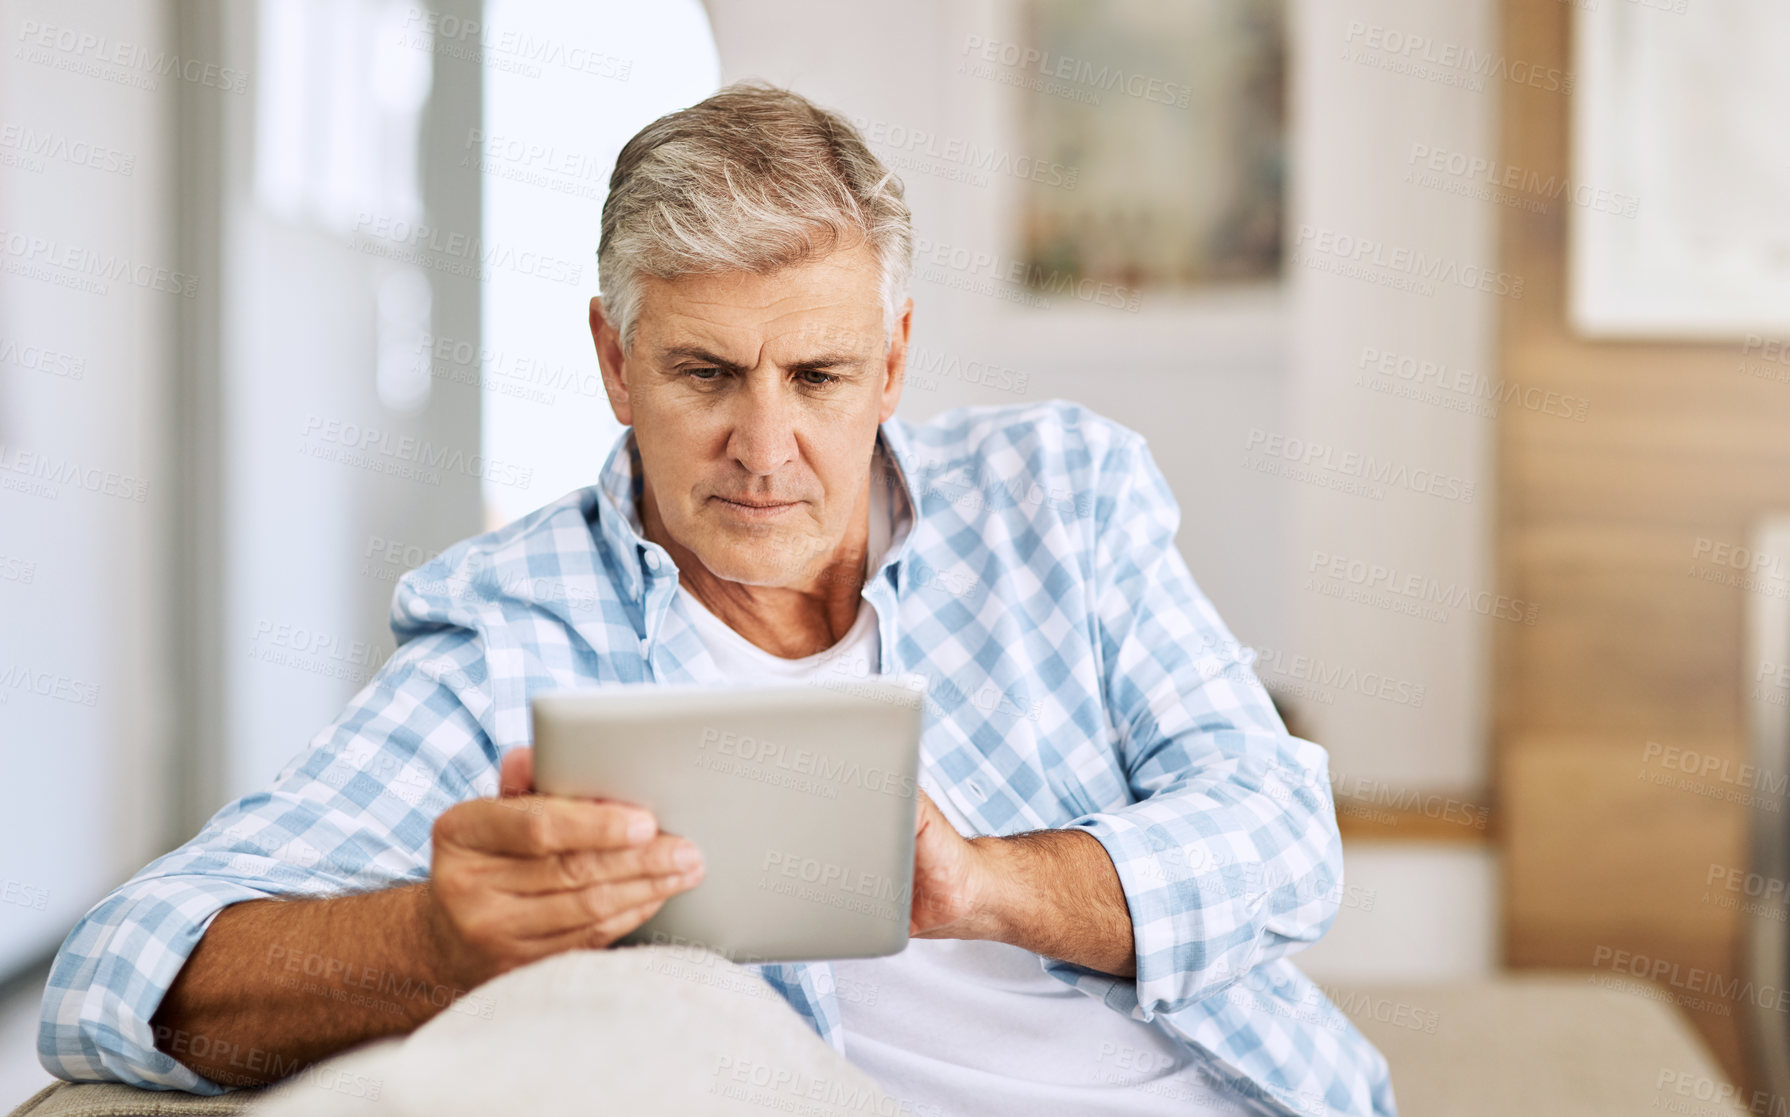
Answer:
[(754, 178)]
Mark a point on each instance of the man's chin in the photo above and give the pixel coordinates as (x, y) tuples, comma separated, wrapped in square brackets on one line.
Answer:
[(754, 562)]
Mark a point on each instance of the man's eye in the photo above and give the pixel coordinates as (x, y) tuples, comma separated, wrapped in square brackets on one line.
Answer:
[(704, 374), (818, 379)]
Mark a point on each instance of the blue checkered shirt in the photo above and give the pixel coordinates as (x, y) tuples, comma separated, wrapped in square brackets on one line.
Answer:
[(1077, 677)]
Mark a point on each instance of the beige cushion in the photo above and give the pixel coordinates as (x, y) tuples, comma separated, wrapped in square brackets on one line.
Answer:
[(700, 1031), (649, 1030), (109, 1099), (1536, 1045)]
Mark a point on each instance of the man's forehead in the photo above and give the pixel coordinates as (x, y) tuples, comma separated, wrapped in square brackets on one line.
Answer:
[(677, 324), (833, 300), (779, 339)]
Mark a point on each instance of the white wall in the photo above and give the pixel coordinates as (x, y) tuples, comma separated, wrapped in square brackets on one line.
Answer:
[(1412, 912), (546, 150), (1357, 129), (85, 679), (318, 487)]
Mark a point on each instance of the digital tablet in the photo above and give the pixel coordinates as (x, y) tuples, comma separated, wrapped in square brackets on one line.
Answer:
[(800, 797)]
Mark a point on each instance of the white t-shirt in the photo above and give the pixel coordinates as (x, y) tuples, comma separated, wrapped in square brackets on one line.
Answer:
[(961, 1028)]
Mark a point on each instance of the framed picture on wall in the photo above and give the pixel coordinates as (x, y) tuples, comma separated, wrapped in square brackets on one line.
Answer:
[(1175, 117), (1680, 181)]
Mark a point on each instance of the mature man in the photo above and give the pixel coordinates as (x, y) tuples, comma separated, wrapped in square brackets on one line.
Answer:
[(1119, 844)]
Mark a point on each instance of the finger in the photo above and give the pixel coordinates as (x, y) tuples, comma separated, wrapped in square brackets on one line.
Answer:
[(540, 825), (516, 776), (558, 912), (621, 923), (927, 815), (597, 936), (581, 868)]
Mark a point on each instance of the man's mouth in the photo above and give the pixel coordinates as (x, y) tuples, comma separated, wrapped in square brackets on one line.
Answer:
[(756, 506)]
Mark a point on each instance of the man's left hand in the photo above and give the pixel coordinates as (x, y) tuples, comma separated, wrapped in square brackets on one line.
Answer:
[(1053, 892), (953, 890)]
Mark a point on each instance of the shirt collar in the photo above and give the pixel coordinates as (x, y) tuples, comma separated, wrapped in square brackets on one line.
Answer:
[(642, 561)]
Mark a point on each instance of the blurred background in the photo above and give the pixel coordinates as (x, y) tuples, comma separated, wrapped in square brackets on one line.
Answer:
[(1462, 332)]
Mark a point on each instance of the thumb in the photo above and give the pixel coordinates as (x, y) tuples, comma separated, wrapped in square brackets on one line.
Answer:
[(517, 774)]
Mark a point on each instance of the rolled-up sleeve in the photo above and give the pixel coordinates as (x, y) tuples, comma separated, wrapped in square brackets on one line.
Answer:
[(1230, 855), (351, 813)]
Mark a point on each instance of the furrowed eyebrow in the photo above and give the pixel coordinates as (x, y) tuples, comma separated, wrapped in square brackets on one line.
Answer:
[(844, 361), (827, 361), (698, 353)]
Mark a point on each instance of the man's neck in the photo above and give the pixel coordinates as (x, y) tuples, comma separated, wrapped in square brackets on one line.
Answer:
[(787, 621)]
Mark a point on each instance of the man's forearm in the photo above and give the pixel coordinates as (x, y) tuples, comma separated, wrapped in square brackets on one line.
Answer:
[(275, 985), (1056, 893)]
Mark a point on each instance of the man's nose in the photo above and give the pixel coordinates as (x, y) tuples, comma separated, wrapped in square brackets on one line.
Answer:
[(764, 436)]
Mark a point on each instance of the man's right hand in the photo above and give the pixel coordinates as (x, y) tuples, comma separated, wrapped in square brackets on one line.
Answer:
[(276, 984), (523, 876)]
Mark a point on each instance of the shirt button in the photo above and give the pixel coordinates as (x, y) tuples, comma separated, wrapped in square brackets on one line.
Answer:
[(644, 645), (652, 560)]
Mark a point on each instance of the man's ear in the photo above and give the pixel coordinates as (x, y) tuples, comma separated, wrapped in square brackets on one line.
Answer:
[(609, 356), (895, 366)]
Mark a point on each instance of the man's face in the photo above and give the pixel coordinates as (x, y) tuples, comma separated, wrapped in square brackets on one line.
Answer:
[(755, 401)]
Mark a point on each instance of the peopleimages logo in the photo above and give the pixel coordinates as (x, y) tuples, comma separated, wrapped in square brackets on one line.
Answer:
[(15, 569), (1712, 766), (1318, 459), (118, 61), (1308, 676), (507, 48), (39, 359), (75, 266), (1480, 177), (39, 474), (806, 762), (1738, 557), (916, 149), (1724, 1096), (1403, 375), (1765, 358), (519, 376), (934, 365), (1664, 971), (456, 253), (47, 684), (1390, 48), (987, 273), (404, 455), (1421, 588), (1076, 71), (28, 147), (1368, 259)]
